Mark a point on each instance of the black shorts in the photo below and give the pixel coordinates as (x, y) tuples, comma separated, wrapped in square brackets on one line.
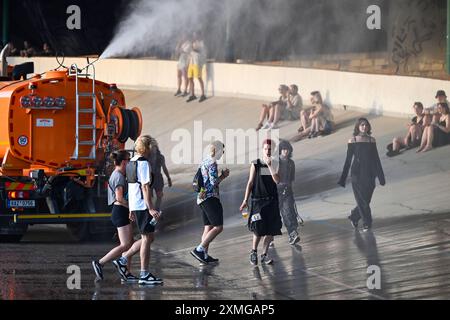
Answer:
[(212, 212), (143, 218), (158, 183), (120, 216)]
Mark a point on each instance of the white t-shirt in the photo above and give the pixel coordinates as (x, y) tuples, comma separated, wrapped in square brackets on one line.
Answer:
[(185, 52), (296, 101), (135, 197), (198, 53)]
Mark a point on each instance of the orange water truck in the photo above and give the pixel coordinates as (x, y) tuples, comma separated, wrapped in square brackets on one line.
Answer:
[(57, 130)]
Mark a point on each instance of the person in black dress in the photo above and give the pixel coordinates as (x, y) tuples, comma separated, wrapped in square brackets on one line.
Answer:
[(366, 166), (442, 127), (264, 219), (437, 134)]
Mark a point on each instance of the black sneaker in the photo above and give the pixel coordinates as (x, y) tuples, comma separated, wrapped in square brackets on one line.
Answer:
[(177, 93), (265, 259), (98, 269), (211, 259), (121, 268), (130, 279), (185, 94), (199, 255), (353, 222), (366, 228), (191, 98), (150, 280), (202, 98), (254, 258)]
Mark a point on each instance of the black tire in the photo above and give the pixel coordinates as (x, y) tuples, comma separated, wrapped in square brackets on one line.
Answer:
[(11, 233), (10, 238), (123, 137)]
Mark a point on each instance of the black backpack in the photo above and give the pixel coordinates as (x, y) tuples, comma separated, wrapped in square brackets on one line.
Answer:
[(131, 172), (197, 183)]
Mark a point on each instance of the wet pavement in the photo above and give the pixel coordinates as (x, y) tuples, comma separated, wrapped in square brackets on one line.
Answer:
[(409, 247), (331, 262)]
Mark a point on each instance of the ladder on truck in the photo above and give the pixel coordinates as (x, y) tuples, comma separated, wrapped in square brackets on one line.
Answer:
[(74, 71)]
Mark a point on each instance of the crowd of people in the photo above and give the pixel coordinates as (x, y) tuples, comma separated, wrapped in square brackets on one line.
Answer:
[(269, 201), (28, 50), (428, 129), (315, 119), (191, 55)]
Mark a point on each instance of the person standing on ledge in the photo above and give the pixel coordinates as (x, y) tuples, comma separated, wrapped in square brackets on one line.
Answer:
[(366, 166)]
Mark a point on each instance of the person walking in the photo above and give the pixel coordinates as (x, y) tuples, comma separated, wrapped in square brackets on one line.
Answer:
[(264, 217), (209, 201), (117, 197), (288, 207), (158, 163), (366, 166), (142, 208)]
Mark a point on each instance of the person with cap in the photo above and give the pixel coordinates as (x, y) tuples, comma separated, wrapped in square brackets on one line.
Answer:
[(209, 201), (264, 218)]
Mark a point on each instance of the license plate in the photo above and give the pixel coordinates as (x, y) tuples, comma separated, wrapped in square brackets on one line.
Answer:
[(21, 203)]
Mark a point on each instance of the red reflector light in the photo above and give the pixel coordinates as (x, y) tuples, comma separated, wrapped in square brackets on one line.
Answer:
[(18, 194)]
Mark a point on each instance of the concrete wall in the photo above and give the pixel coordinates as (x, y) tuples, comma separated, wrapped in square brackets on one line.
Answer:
[(381, 94)]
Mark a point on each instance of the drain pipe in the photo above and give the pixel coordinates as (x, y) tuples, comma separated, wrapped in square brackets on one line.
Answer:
[(5, 26), (448, 37)]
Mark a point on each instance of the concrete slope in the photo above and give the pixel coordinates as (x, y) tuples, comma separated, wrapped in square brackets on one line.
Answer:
[(409, 242), (416, 183)]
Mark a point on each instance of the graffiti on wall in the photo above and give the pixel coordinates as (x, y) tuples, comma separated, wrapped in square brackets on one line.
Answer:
[(413, 27)]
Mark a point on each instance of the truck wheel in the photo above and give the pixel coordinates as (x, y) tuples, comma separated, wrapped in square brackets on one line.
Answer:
[(79, 230)]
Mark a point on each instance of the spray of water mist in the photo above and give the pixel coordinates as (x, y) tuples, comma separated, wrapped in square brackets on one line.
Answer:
[(250, 29)]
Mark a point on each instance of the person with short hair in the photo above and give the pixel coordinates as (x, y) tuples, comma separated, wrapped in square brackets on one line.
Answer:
[(196, 63), (365, 167), (293, 105), (28, 50), (143, 211), (264, 218), (414, 135), (209, 201), (120, 217), (270, 113)]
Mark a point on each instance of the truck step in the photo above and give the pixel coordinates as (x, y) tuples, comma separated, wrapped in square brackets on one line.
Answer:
[(87, 127), (86, 143), (90, 110)]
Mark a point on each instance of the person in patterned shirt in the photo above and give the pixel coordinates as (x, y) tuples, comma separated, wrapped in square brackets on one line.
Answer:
[(209, 201)]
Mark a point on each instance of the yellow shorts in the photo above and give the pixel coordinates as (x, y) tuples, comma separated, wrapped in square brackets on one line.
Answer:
[(194, 71)]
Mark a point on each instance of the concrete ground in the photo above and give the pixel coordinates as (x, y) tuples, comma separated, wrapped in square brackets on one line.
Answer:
[(409, 244)]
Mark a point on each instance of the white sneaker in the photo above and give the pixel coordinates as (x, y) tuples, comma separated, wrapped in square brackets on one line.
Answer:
[(267, 125)]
